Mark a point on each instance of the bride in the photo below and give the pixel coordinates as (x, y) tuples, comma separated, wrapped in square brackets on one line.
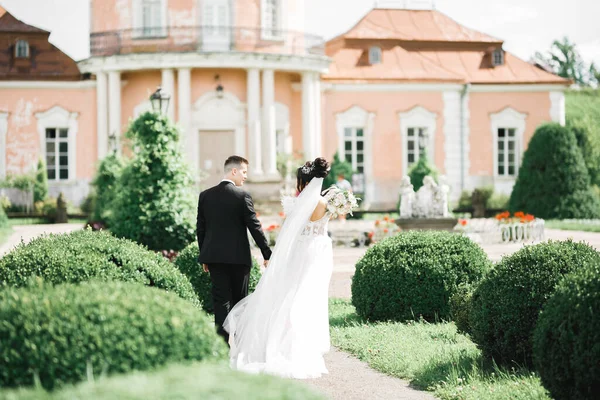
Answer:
[(283, 327)]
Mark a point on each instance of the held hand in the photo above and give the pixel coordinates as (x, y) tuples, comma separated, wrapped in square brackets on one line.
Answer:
[(266, 263), (205, 267)]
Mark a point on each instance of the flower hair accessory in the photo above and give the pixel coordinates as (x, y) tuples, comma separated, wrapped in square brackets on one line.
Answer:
[(306, 169)]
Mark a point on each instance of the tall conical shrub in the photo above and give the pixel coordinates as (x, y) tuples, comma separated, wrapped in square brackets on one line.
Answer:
[(154, 204), (40, 186), (420, 170), (105, 181), (553, 180)]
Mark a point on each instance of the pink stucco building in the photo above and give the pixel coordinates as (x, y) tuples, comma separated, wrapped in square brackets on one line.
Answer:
[(397, 80)]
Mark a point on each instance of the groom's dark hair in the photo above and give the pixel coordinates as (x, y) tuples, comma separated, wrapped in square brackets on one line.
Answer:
[(234, 162)]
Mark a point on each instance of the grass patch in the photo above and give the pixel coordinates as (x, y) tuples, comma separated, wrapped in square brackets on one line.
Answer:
[(178, 382), (574, 225), (5, 234), (432, 356), (39, 221)]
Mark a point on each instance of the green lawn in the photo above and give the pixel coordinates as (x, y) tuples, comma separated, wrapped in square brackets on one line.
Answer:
[(573, 225), (5, 234), (432, 356)]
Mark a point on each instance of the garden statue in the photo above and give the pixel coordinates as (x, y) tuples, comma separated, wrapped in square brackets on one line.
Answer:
[(61, 210), (407, 198)]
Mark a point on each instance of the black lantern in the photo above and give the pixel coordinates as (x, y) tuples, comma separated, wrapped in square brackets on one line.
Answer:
[(160, 101), (112, 142), (219, 87)]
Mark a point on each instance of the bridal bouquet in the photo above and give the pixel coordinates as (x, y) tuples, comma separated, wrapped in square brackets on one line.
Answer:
[(340, 202)]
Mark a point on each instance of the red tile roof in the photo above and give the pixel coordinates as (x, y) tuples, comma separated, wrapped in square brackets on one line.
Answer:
[(425, 46), (8, 23), (421, 25)]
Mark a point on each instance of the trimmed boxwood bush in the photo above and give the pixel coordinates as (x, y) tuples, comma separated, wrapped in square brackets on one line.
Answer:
[(414, 274), (187, 263), (206, 380), (154, 203), (566, 341), (460, 307), (507, 302), (84, 255), (553, 181), (60, 334)]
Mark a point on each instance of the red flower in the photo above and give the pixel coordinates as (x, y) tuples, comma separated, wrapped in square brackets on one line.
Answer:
[(519, 214), (386, 230), (371, 234), (463, 222), (386, 218), (377, 223), (282, 214)]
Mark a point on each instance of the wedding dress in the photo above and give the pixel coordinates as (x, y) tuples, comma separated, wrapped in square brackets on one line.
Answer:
[(283, 327)]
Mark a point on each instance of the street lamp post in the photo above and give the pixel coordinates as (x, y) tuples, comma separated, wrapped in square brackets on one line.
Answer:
[(160, 101)]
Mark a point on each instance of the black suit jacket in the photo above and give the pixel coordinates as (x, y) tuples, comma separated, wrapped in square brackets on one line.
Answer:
[(224, 213)]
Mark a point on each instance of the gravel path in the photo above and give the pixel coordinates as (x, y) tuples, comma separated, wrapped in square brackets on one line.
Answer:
[(27, 232)]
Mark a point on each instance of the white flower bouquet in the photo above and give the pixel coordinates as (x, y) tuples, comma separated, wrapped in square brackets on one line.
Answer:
[(340, 202)]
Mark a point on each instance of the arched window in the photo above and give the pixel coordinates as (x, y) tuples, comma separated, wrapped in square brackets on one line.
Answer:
[(22, 49), (375, 55)]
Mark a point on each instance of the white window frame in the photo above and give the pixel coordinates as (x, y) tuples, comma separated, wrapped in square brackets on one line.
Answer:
[(21, 45), (508, 118), (375, 55), (358, 117), (59, 118), (138, 20), (498, 54), (269, 32), (416, 118)]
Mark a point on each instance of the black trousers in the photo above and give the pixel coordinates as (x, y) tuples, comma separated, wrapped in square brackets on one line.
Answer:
[(229, 286)]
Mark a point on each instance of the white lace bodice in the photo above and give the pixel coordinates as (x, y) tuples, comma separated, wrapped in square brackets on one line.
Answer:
[(312, 228), (316, 228)]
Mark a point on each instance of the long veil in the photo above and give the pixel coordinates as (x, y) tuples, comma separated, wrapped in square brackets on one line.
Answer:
[(258, 323)]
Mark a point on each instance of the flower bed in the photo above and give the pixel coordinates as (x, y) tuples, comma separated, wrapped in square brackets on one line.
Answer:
[(503, 228)]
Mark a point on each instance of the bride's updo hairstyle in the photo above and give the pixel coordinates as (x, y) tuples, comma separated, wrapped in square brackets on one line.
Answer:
[(311, 169)]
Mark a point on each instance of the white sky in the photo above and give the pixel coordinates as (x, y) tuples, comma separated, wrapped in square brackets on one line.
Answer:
[(526, 26)]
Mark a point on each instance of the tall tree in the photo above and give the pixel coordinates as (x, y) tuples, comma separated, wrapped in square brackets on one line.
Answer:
[(564, 59)]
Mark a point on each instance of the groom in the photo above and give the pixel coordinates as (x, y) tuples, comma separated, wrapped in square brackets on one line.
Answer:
[(224, 213)]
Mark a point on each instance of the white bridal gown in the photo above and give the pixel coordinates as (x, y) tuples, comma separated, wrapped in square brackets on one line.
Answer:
[(283, 327)]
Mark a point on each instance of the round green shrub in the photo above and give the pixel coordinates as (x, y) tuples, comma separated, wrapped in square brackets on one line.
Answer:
[(506, 304), (3, 218), (205, 380), (187, 263), (61, 334), (566, 340), (553, 181), (460, 307), (85, 255), (154, 203), (414, 274)]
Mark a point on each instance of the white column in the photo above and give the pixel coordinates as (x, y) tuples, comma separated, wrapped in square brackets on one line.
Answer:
[(114, 106), (254, 129), (308, 115), (102, 114), (557, 107), (184, 104), (317, 133), (268, 123), (168, 85)]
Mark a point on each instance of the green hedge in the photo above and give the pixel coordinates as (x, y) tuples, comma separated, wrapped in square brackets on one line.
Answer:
[(84, 255), (506, 304), (566, 341), (414, 274), (553, 181), (460, 307), (187, 263), (60, 334), (204, 380)]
